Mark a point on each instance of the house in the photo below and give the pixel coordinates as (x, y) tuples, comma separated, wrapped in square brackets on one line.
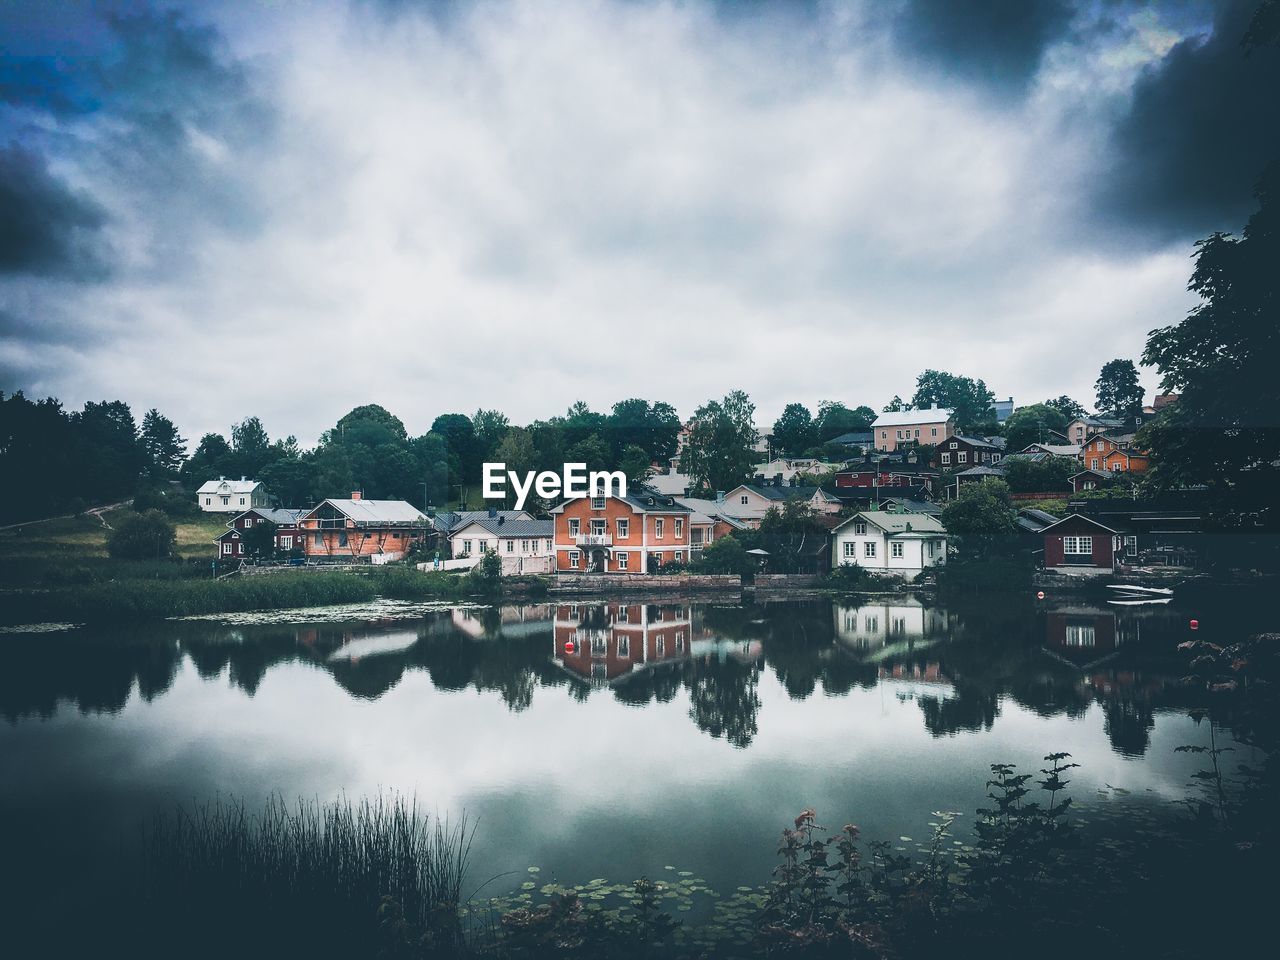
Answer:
[(863, 498), (1114, 454), (906, 504), (791, 468), (960, 453), (867, 628), (900, 544), (751, 501), (1089, 479), (672, 484), (1081, 545), (709, 520), (1079, 429), (860, 440), (1002, 409), (1032, 522), (1165, 532), (1068, 451), (378, 530), (287, 537), (524, 544), (885, 471), (932, 426), (638, 533), (231, 496)]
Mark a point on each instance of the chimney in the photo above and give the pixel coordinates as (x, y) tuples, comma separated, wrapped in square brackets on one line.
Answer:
[(493, 512), (357, 494), (242, 479), (719, 496), (502, 520)]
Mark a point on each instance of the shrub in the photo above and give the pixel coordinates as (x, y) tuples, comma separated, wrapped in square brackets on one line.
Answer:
[(142, 536)]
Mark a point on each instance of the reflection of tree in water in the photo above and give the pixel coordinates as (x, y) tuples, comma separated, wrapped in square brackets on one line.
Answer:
[(967, 710), (724, 701), (1128, 726)]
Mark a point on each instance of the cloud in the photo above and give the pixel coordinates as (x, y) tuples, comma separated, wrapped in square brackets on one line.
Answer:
[(520, 205), (45, 226)]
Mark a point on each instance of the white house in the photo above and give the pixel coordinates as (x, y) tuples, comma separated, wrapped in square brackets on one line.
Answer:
[(525, 545), (231, 496), (869, 627), (901, 544)]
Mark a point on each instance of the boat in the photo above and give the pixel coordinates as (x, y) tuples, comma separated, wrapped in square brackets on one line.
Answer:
[(1140, 602), (1131, 588)]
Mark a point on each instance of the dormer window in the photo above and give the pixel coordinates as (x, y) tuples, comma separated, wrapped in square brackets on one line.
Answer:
[(597, 503)]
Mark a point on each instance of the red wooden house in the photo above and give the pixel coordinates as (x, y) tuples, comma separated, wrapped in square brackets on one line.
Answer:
[(1079, 544), (638, 533), (287, 535)]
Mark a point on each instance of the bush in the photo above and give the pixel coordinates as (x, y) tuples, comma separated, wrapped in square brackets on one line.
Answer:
[(143, 536), (726, 555)]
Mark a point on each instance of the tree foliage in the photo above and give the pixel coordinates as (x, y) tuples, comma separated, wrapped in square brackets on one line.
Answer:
[(968, 398), (1031, 424), (794, 431), (142, 536), (720, 454), (1119, 395), (981, 517)]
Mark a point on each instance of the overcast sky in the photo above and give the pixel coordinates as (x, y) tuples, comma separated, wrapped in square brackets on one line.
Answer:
[(288, 209)]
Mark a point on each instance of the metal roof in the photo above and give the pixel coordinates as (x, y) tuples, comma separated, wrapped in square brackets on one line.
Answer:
[(897, 523), (904, 418), (513, 529), (376, 511), (235, 486)]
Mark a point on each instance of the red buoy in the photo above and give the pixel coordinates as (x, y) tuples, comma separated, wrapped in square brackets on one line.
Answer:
[(1040, 595), (568, 646), (1195, 624)]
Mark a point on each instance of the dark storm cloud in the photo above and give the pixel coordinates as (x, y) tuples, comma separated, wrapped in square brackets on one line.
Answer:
[(1203, 124), (46, 227), (995, 42)]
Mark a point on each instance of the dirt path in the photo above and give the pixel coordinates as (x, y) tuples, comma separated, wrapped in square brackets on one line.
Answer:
[(94, 512)]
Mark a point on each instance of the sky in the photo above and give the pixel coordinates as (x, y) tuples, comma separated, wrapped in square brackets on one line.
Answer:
[(288, 209)]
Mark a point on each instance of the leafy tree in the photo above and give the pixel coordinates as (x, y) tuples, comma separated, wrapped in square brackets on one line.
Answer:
[(105, 439), (517, 452), (1222, 433), (1028, 425), (432, 460), (896, 405), (580, 422), (490, 427), (1045, 476), (725, 555), (635, 463), (142, 536), (251, 445), (1067, 407), (651, 427), (981, 517), (719, 454), (213, 458), (461, 446), (371, 425), (164, 446), (790, 534), (260, 541), (968, 398), (794, 431), (834, 418), (291, 479), (1119, 393), (592, 451)]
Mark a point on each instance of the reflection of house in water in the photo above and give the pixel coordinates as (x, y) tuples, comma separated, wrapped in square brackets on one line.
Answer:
[(605, 643), (909, 679), (355, 648), (1085, 635), (877, 630), (486, 623)]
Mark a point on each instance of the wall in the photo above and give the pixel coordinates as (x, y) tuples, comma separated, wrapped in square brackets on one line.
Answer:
[(886, 437)]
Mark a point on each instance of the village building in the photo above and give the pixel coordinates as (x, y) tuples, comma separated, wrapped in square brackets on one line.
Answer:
[(751, 501), (897, 428), (356, 528), (1089, 479), (1067, 451), (638, 533), (899, 544), (1081, 545), (1002, 409), (1114, 454), (525, 545), (286, 534), (1080, 429), (897, 472), (961, 453), (231, 496), (868, 628)]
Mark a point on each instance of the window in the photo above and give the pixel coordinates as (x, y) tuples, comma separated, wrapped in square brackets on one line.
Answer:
[(962, 456), (511, 546), (622, 561), (599, 646), (286, 543), (884, 434), (1080, 635), (679, 641), (524, 546), (662, 646), (466, 546), (342, 538), (679, 525), (597, 528), (1115, 467), (573, 559), (550, 546), (895, 549), (1077, 545), (208, 501), (933, 432), (899, 434), (953, 445), (933, 547), (226, 548), (225, 501), (744, 499), (677, 556), (1093, 464), (624, 612), (850, 550), (242, 501), (574, 527), (946, 458), (871, 624), (624, 647), (859, 529), (869, 548), (248, 522), (657, 528), (624, 529), (597, 503)]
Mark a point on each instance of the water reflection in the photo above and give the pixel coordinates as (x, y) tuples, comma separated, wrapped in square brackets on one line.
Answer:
[(957, 665)]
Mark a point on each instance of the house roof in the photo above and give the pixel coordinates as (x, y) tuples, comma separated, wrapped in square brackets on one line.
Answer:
[(896, 524), (670, 484), (903, 418), (1090, 421), (784, 492), (1079, 516), (447, 521), (974, 441), (280, 517), (915, 506), (709, 510), (1033, 520), (375, 511), (643, 500), (982, 471), (235, 486), (1054, 449), (1097, 473), (519, 528), (854, 437)]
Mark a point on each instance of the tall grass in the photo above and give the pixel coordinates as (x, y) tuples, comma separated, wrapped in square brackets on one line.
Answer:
[(307, 879)]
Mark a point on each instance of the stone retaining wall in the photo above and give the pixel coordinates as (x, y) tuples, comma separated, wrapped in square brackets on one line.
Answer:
[(612, 583)]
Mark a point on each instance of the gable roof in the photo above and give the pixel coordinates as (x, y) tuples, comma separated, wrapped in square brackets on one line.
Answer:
[(374, 511), (898, 524), (235, 486), (520, 528), (447, 521), (644, 501), (1033, 520), (903, 418), (1097, 473), (981, 471), (854, 437), (784, 492), (910, 505), (1079, 516), (704, 510), (973, 441), (280, 517)]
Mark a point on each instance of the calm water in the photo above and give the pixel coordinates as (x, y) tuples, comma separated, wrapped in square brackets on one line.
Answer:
[(670, 734)]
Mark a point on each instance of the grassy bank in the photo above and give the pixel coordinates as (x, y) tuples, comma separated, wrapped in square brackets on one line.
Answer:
[(152, 599)]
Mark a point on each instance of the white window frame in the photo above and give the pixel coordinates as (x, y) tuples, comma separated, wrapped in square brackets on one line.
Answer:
[(466, 547), (679, 528), (860, 529), (226, 548), (1077, 546), (658, 526), (597, 503), (745, 501), (896, 550), (286, 543), (946, 459), (623, 527), (622, 561), (575, 526), (850, 550), (573, 559), (869, 549)]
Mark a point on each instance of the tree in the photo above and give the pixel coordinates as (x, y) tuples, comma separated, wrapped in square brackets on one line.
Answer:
[(213, 458), (517, 452), (725, 555), (260, 540), (720, 451), (789, 535), (1032, 424), (981, 517), (1067, 407), (251, 445), (969, 399), (896, 405), (834, 418), (490, 427), (1222, 433), (1045, 476), (165, 448), (635, 463), (793, 432), (652, 427), (292, 479), (1119, 395), (142, 536), (371, 425), (433, 467), (105, 439), (461, 446)]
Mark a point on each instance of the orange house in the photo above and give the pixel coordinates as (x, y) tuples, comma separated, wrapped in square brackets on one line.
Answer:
[(380, 530), (638, 533), (1113, 455)]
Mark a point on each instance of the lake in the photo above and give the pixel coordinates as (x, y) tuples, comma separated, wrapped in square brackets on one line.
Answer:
[(601, 738)]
